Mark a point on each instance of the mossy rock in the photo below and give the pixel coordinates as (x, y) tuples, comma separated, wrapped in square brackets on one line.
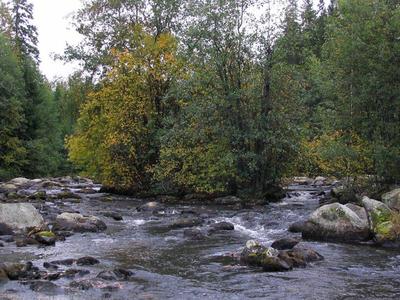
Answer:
[(48, 234)]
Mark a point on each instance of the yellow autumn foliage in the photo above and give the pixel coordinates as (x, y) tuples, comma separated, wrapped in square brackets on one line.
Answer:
[(115, 141)]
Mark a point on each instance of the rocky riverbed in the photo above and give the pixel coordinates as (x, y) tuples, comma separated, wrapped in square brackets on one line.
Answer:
[(83, 244)]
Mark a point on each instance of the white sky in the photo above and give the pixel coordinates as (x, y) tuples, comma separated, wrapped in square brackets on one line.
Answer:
[(53, 21)]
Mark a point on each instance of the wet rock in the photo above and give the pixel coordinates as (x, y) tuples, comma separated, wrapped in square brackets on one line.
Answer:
[(7, 188), (39, 195), (87, 191), (64, 262), (336, 222), (1, 244), (18, 271), (52, 276), (5, 229), (87, 261), (7, 238), (71, 273), (114, 275), (45, 287), (303, 180), (20, 216), (167, 199), (150, 206), (82, 285), (297, 227), (47, 238), (392, 199), (68, 195), (255, 254), (188, 221), (285, 244), (3, 275), (78, 223), (299, 256), (222, 226), (112, 214), (25, 241), (195, 234), (227, 200), (50, 266), (49, 184)]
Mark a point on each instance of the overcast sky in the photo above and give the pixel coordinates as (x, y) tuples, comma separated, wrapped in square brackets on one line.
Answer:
[(53, 21), (52, 18)]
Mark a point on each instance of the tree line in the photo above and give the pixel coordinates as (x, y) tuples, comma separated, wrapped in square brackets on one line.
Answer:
[(207, 95)]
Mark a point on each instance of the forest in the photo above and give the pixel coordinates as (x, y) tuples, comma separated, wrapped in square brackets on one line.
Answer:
[(206, 96)]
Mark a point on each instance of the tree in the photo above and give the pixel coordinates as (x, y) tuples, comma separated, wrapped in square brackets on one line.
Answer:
[(116, 139), (12, 151), (24, 32)]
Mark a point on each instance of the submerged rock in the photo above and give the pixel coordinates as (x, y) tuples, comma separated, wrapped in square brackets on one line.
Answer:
[(193, 233), (78, 223), (112, 214), (45, 287), (222, 226), (87, 261), (114, 275), (46, 238), (183, 222), (336, 222), (20, 216)]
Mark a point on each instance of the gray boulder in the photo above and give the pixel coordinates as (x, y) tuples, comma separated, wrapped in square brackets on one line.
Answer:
[(383, 222), (20, 216), (78, 223), (337, 222), (392, 199)]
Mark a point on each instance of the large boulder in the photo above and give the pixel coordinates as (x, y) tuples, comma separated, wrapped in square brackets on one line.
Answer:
[(392, 199), (78, 223), (20, 216), (384, 223), (337, 222)]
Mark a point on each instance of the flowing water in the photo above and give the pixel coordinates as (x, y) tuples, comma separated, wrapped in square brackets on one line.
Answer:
[(168, 265)]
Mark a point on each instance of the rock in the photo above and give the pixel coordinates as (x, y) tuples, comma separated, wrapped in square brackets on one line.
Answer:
[(194, 234), (87, 261), (87, 191), (392, 199), (64, 262), (255, 254), (299, 257), (5, 229), (114, 215), (78, 223), (336, 222), (227, 200), (7, 188), (150, 206), (16, 271), (1, 245), (114, 275), (50, 266), (70, 273), (7, 238), (222, 226), (20, 181), (39, 195), (284, 244), (45, 287), (167, 199), (297, 227), (302, 180), (68, 195), (46, 238), (25, 241), (20, 216), (384, 223), (82, 285), (183, 222), (3, 276)]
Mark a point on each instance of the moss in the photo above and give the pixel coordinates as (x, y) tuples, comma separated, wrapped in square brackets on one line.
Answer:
[(48, 234), (385, 229), (380, 216)]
